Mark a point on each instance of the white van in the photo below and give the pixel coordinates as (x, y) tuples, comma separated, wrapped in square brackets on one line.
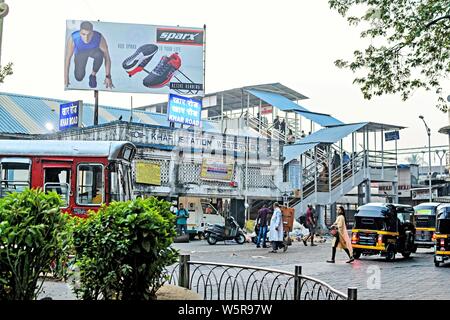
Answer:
[(201, 212)]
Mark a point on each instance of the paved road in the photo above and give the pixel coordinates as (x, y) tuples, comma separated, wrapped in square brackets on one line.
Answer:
[(407, 279)]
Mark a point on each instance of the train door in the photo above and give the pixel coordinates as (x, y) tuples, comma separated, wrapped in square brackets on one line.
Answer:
[(57, 177)]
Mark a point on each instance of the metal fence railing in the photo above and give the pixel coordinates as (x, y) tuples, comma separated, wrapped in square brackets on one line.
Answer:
[(219, 281)]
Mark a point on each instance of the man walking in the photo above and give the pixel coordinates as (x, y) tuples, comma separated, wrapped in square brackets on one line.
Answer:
[(276, 229), (182, 215), (310, 224), (261, 223)]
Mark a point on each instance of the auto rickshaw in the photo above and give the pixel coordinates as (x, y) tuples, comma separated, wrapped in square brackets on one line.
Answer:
[(442, 235), (383, 229), (424, 220)]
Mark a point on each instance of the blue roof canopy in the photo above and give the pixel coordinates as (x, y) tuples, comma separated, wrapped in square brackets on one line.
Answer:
[(285, 104), (324, 120), (292, 151), (323, 136)]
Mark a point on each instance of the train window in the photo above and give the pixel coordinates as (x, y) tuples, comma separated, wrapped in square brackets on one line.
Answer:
[(14, 175), (127, 153), (90, 184), (58, 180)]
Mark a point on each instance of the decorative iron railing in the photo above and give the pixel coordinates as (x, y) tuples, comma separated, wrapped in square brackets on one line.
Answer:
[(223, 281)]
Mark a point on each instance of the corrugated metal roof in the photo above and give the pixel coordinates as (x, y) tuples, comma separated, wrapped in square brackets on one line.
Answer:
[(285, 104), (333, 134), (323, 136), (292, 151), (29, 115)]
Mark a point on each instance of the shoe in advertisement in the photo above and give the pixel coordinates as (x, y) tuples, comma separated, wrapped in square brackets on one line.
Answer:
[(163, 72), (138, 60)]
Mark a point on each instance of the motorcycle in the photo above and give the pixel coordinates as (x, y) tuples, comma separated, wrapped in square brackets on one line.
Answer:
[(229, 231)]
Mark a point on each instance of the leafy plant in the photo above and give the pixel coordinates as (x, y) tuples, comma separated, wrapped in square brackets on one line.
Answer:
[(122, 250), (32, 233)]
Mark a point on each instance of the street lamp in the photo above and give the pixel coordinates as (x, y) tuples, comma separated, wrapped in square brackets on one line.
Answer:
[(429, 157)]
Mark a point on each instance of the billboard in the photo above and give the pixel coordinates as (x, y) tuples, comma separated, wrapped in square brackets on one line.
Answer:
[(216, 171), (70, 115), (184, 110), (133, 58)]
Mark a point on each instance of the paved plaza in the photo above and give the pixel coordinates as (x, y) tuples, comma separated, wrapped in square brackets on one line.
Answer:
[(406, 279)]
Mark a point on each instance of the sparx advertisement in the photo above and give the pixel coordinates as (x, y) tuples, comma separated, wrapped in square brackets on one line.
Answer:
[(133, 58)]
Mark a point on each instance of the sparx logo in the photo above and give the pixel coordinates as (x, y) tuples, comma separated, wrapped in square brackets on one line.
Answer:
[(179, 36)]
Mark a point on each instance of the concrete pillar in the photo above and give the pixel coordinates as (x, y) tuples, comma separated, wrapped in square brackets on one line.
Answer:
[(333, 210), (395, 191), (320, 213), (367, 191), (360, 194)]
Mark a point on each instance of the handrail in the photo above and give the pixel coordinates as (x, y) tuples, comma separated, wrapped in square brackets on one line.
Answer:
[(216, 281)]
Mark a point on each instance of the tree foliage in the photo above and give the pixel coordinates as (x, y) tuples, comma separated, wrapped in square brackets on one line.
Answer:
[(410, 46), (5, 71)]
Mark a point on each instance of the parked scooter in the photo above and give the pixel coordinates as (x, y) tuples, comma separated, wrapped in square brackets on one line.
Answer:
[(229, 231)]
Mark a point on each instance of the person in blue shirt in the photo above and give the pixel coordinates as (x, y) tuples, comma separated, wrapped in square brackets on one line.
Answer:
[(346, 161), (182, 215), (84, 44)]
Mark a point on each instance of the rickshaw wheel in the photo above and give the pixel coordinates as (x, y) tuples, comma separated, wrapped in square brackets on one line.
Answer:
[(406, 254), (390, 254), (356, 254), (437, 264)]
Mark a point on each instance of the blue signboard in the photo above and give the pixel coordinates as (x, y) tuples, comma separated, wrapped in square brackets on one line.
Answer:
[(393, 135), (184, 110), (70, 115)]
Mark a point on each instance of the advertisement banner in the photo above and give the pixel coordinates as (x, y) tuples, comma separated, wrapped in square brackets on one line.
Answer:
[(423, 194), (133, 58), (184, 110), (148, 173), (70, 115), (216, 171)]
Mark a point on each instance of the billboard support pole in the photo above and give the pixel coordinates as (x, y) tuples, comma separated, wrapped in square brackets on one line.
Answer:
[(1, 32), (96, 107), (131, 111), (204, 58)]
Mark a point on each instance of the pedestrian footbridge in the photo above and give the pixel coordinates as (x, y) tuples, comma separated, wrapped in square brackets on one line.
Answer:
[(328, 164)]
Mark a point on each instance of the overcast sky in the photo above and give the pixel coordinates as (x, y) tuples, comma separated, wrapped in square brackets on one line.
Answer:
[(247, 43)]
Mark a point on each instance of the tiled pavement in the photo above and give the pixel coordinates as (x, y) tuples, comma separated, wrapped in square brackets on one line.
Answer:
[(406, 279)]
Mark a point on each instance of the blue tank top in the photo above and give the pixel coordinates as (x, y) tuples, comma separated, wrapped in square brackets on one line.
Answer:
[(80, 45)]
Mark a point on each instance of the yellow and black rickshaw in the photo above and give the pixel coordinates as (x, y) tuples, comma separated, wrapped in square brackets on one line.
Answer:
[(425, 222), (442, 235), (383, 229)]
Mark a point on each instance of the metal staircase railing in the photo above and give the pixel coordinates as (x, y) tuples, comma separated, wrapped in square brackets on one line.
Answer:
[(264, 129), (339, 175)]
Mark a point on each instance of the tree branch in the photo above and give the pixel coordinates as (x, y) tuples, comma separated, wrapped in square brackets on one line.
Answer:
[(429, 24)]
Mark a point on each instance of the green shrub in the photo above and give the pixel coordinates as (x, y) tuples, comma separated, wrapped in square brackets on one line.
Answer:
[(32, 234), (122, 250)]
